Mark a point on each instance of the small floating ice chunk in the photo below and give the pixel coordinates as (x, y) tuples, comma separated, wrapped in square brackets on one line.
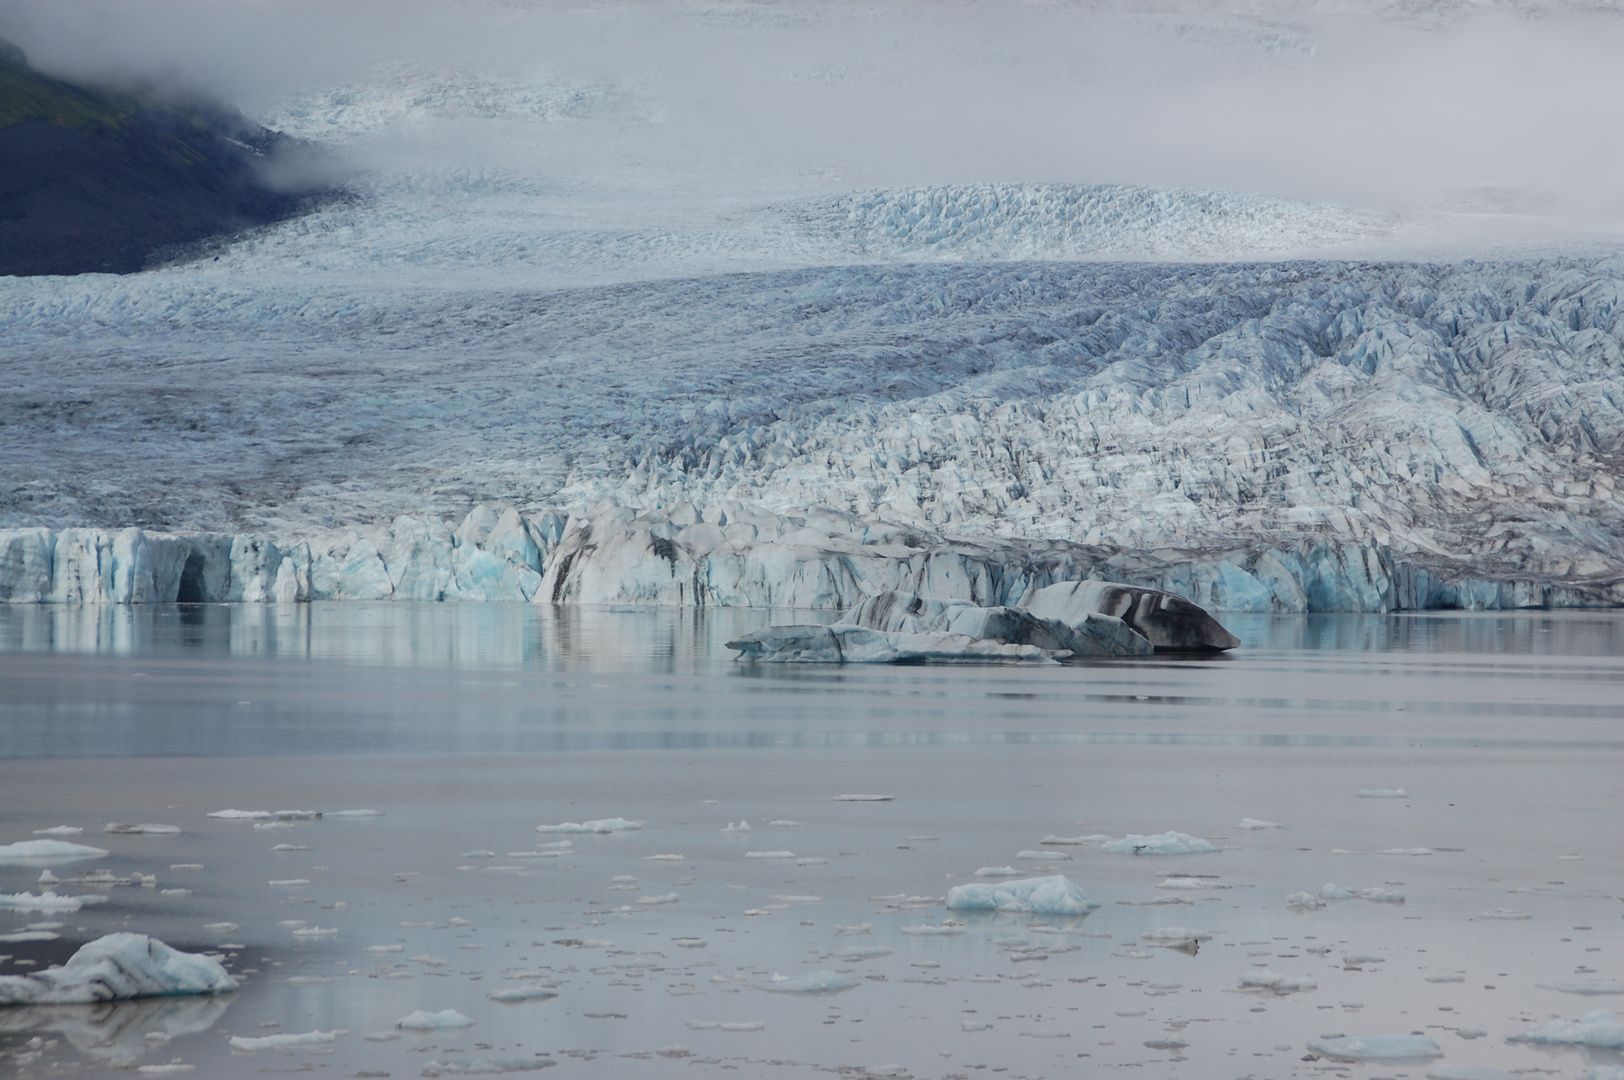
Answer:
[(477, 855), (291, 847), (1446, 978), (862, 952), (1600, 1029), (1074, 841), (486, 1066), (742, 826), (665, 858), (309, 980), (422, 1020), (742, 1025), (1381, 793), (310, 932), (1051, 856), (970, 1026), (1354, 959), (1378, 1047), (353, 813), (59, 830), (1587, 988), (40, 851), (783, 824), (522, 993), (792, 898), (116, 967), (241, 815), (1405, 851), (601, 825), (1046, 1033), (1056, 895), (47, 901), (864, 798), (998, 872), (222, 927), (1276, 982), (289, 882), (1504, 913), (174, 892), (1305, 901), (665, 898), (1189, 883), (1468, 1072), (252, 1043), (1175, 934), (145, 829), (1167, 843), (381, 950), (769, 854), (20, 936), (927, 930), (812, 862), (1252, 824), (815, 982), (173, 1068)]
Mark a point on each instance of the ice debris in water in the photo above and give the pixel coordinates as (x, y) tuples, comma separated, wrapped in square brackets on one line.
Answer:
[(1405, 851), (522, 993), (862, 952), (1586, 988), (1167, 843), (1380, 793), (241, 815), (865, 798), (47, 901), (1255, 824), (1189, 883), (486, 1066), (252, 1043), (998, 872), (1600, 1029), (742, 826), (1049, 855), (38, 851), (601, 825), (815, 982), (59, 830), (1468, 1072), (353, 813), (145, 829), (116, 967), (1378, 1047), (21, 936), (769, 854), (1175, 935), (422, 1020), (1056, 895), (1506, 914), (927, 930), (1097, 838)]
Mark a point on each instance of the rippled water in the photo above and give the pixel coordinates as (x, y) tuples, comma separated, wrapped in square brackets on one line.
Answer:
[(467, 726)]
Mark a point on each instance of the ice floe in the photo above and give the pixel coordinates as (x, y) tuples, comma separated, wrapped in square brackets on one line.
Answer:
[(241, 815), (769, 854), (1253, 824), (254, 1043), (1051, 856), (1600, 1028), (1505, 914), (487, 1066), (116, 967), (865, 798), (422, 1020), (41, 851), (1175, 935), (1596, 988), (47, 901), (1056, 895), (1378, 1047), (59, 830), (815, 982), (19, 936), (144, 829), (1468, 1072), (998, 872), (928, 930), (1380, 793), (601, 825), (1167, 843), (522, 993)]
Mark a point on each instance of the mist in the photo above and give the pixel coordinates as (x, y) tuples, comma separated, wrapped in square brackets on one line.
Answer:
[(1493, 110)]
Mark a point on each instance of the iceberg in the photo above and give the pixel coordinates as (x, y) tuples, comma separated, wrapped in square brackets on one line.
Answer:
[(1167, 843), (422, 1020), (1055, 895), (116, 967), (1600, 1028), (1167, 621), (601, 825)]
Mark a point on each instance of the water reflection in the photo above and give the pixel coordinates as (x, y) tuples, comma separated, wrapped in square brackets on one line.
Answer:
[(118, 1032)]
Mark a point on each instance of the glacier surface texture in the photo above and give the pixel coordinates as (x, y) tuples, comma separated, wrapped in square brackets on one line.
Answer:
[(1293, 437)]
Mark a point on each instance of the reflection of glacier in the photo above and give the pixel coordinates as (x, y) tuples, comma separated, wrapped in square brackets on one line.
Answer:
[(117, 1030)]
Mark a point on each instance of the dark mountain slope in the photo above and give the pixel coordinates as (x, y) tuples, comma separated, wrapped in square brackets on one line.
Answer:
[(96, 181)]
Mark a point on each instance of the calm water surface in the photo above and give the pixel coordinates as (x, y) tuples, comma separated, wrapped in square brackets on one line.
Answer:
[(466, 726)]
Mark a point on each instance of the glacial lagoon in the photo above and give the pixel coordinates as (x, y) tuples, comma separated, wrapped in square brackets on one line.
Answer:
[(1438, 794)]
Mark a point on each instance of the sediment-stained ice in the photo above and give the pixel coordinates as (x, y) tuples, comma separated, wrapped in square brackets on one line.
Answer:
[(116, 967), (1056, 895)]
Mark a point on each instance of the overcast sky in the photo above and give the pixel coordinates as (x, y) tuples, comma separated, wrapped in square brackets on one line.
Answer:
[(1317, 101)]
